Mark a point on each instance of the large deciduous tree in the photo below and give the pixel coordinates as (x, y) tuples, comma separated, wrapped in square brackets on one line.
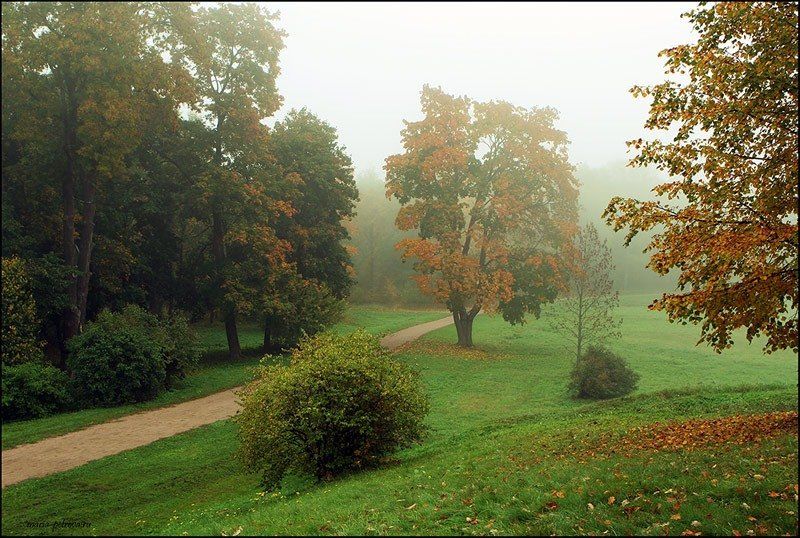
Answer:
[(316, 177), (585, 315), (728, 221), (91, 76), (490, 190), (232, 54)]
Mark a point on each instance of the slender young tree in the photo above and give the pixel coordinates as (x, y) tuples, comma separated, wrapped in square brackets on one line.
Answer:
[(585, 315), (489, 189), (728, 221)]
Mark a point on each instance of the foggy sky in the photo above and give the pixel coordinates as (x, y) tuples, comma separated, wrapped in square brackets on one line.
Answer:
[(361, 66)]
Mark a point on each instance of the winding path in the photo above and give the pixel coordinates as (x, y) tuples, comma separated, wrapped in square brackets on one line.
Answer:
[(64, 452)]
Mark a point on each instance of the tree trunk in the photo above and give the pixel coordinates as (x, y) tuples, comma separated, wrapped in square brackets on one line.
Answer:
[(463, 322), (231, 332), (579, 336), (85, 253), (267, 346), (71, 317), (218, 250)]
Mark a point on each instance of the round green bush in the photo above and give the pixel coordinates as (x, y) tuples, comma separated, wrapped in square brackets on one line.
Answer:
[(298, 307), (341, 404), (600, 374), (32, 390), (114, 362)]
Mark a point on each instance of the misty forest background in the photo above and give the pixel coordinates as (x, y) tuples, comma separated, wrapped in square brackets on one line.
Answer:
[(383, 278)]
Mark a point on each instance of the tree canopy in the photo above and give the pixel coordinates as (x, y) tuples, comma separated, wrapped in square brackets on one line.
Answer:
[(489, 189), (138, 167), (727, 220)]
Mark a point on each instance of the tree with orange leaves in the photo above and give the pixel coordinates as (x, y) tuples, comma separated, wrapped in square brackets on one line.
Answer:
[(729, 225), (490, 190)]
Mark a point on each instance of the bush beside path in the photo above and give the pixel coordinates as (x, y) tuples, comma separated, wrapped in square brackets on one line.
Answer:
[(73, 449)]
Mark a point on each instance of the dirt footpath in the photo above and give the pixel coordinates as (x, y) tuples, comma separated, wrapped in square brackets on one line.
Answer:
[(73, 449), (395, 340)]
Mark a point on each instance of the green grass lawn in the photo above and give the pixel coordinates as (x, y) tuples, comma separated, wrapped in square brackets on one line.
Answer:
[(213, 374), (503, 456)]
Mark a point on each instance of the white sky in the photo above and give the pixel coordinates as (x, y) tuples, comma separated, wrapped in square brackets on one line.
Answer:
[(361, 66)]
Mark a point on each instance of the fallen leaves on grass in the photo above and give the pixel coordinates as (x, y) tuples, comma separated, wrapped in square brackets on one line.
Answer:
[(691, 434), (445, 349)]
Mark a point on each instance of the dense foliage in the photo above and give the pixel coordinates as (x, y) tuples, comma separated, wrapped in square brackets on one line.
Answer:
[(309, 155), (171, 333), (489, 188), (34, 389), (138, 168), (115, 361), (341, 404), (19, 325), (728, 220), (382, 276), (296, 307), (599, 374)]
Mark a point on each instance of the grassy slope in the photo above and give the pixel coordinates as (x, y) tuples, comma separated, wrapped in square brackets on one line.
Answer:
[(214, 374), (493, 413)]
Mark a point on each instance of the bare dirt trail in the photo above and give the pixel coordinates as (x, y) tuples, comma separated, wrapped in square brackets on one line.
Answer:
[(73, 449)]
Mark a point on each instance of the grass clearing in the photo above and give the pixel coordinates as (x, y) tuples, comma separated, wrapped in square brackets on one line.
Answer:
[(495, 479), (498, 460)]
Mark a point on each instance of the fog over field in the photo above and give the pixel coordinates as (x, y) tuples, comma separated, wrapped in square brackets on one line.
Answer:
[(400, 268), (361, 66)]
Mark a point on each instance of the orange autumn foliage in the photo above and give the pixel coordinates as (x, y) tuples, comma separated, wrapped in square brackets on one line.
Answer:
[(727, 221), (489, 188)]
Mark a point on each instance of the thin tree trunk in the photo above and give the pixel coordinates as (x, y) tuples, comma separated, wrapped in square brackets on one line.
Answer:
[(86, 242), (71, 317), (371, 272), (267, 346), (218, 250), (579, 337)]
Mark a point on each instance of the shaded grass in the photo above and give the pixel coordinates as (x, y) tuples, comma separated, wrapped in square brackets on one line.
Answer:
[(214, 373)]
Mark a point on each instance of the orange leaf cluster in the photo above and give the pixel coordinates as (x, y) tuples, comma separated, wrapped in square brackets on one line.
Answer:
[(728, 224)]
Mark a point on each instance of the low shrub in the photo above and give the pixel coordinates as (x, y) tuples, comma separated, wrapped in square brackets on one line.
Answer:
[(298, 307), (341, 404), (115, 361), (600, 374), (171, 332), (32, 390)]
